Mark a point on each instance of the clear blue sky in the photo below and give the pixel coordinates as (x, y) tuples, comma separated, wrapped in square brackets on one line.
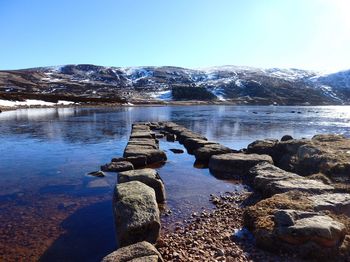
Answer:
[(310, 34)]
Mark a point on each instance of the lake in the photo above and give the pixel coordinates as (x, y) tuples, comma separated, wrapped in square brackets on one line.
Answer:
[(51, 210)]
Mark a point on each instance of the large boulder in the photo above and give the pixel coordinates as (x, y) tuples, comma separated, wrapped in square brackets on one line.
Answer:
[(141, 251), (136, 213), (300, 227), (181, 137), (147, 176), (204, 153), (117, 166), (290, 222), (327, 154), (235, 164), (152, 155)]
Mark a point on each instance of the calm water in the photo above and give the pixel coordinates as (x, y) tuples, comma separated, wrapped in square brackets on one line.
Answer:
[(50, 208)]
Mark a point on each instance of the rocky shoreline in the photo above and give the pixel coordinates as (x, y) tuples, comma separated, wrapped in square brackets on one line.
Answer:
[(299, 207)]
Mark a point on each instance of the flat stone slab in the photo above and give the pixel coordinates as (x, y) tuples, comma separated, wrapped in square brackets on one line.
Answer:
[(189, 134), (117, 166), (136, 213), (204, 153), (236, 163), (264, 173), (192, 144), (152, 155), (147, 176), (140, 134), (142, 251), (338, 203), (299, 227), (150, 143), (136, 161), (272, 180)]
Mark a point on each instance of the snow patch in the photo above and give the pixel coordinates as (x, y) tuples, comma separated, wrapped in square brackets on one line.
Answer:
[(33, 102)]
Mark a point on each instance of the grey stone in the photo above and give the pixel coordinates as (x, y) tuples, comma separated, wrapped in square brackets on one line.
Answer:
[(204, 153), (117, 166), (136, 213), (235, 163), (147, 176), (303, 227), (141, 250), (338, 203), (152, 155)]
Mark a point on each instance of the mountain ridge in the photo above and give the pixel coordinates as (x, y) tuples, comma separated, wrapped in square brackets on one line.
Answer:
[(147, 84)]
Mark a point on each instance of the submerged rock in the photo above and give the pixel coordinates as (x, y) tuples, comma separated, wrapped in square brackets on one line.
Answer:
[(141, 251), (117, 166), (97, 174), (176, 150), (136, 213), (147, 176), (233, 164)]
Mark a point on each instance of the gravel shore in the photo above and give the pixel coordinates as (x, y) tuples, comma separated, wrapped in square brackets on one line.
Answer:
[(215, 235)]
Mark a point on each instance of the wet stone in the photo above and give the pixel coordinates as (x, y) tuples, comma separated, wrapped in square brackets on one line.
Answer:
[(97, 174), (117, 166)]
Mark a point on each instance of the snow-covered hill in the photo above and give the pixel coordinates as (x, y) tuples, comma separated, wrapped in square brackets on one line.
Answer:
[(235, 84)]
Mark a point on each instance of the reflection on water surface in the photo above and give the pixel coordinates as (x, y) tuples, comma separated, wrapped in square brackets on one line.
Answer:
[(49, 207)]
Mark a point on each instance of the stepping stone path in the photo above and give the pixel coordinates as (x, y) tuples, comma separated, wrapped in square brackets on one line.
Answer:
[(305, 216)]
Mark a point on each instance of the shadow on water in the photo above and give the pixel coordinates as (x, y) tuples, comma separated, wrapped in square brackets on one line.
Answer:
[(90, 236)]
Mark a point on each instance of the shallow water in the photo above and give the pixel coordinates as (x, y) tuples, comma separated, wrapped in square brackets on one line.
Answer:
[(50, 208)]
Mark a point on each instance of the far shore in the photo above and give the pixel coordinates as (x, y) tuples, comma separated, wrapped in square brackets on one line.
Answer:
[(151, 104)]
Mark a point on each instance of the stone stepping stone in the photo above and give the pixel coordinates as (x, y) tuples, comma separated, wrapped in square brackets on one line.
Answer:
[(136, 213), (204, 153), (152, 155), (234, 164), (117, 166), (139, 252), (148, 176), (136, 161)]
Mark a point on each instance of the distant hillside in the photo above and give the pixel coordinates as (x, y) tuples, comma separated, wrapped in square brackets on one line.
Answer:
[(229, 84)]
